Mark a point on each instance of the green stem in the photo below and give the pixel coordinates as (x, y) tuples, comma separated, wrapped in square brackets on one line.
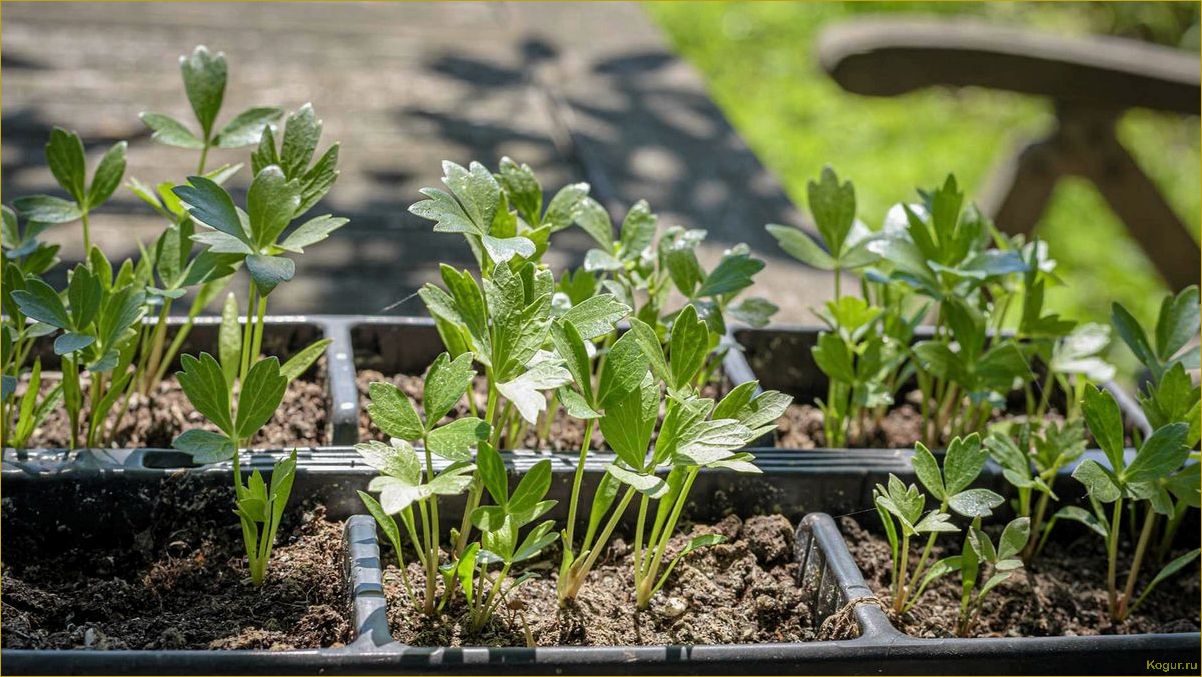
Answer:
[(257, 347), (577, 574), (204, 155), (87, 235), (1112, 554), (578, 480), (1141, 547), (247, 333), (645, 588)]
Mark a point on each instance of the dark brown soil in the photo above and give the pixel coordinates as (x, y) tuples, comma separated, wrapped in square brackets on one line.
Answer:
[(188, 592), (566, 433), (742, 591), (1062, 592), (154, 420)]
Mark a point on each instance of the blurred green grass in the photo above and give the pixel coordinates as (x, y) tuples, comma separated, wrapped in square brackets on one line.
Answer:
[(757, 58)]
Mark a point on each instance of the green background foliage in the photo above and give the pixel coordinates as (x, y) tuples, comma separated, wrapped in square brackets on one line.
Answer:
[(758, 61)]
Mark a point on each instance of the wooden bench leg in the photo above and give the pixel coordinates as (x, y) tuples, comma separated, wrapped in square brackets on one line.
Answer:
[(1085, 144)]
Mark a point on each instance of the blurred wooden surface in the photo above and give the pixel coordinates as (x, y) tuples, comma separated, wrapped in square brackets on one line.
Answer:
[(580, 91)]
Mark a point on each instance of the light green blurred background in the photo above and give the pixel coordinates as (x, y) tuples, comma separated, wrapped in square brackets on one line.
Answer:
[(758, 61)]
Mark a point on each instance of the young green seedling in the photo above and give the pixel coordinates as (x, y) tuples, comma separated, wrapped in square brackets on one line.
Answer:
[(1030, 462), (408, 481), (901, 510), (979, 557), (693, 434), (204, 75), (238, 414), (65, 156), (1147, 484), (1170, 395), (500, 528)]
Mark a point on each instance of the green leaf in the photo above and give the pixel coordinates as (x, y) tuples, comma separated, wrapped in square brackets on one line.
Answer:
[(303, 359), (204, 81), (755, 312), (476, 189), (623, 371), (681, 261), (733, 273), (209, 203), (47, 209), (387, 524), (575, 404), (1105, 423), (647, 484), (832, 356), (629, 422), (531, 490), (65, 156), (311, 232), (599, 260), (522, 189), (594, 220), (927, 469), (638, 229), (800, 246), (1160, 455), (269, 271), (938, 359), (833, 206), (204, 446), (247, 127), (70, 342), (270, 204), (648, 341), (84, 295), (261, 394), (501, 250), (448, 215), (204, 383), (963, 462), (1099, 483), (446, 382), (570, 347), (302, 131), (319, 179), (1177, 323), (397, 459), (1135, 338), (525, 390), (935, 522), (170, 132), (688, 347), (108, 175), (393, 413), (975, 502), (454, 441), (563, 208), (597, 315), (229, 339), (492, 473), (40, 302), (1014, 538), (1169, 569)]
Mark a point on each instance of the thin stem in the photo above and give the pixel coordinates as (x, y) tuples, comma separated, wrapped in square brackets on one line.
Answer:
[(1112, 553), (899, 596), (87, 235), (258, 333), (578, 479), (247, 333), (1141, 547), (204, 155), (578, 573)]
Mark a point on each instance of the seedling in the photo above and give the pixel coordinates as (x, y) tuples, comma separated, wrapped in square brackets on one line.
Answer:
[(945, 260), (1147, 485), (901, 509), (979, 558), (407, 481), (1030, 462), (693, 434)]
